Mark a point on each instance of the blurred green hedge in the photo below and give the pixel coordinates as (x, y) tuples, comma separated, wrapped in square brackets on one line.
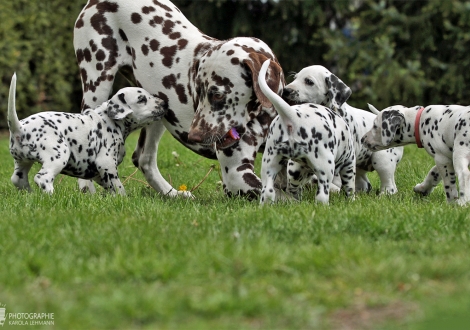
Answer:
[(36, 43), (388, 52)]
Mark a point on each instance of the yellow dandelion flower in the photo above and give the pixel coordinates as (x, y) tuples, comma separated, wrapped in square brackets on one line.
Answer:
[(182, 188)]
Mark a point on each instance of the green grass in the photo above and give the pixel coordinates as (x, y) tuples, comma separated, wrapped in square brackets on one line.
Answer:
[(144, 261)]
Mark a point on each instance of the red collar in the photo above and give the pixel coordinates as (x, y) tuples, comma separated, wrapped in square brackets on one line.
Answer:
[(418, 117)]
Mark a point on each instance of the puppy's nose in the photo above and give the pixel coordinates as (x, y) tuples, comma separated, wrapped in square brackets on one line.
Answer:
[(287, 92), (195, 136)]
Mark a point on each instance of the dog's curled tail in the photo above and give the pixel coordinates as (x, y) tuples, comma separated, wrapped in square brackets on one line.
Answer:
[(12, 117), (283, 109)]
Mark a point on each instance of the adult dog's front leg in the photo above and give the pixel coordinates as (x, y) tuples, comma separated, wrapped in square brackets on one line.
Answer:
[(145, 158), (238, 170)]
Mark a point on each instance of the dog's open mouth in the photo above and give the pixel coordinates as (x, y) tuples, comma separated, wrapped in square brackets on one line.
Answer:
[(229, 139)]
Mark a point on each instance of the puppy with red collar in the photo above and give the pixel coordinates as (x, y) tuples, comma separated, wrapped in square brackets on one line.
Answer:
[(442, 130)]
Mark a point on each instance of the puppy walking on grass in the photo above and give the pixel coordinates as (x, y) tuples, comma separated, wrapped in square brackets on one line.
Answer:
[(442, 130), (88, 145), (316, 84), (311, 139)]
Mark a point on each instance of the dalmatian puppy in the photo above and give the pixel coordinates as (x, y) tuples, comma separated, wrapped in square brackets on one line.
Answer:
[(317, 84), (313, 139), (442, 130), (215, 107), (88, 145)]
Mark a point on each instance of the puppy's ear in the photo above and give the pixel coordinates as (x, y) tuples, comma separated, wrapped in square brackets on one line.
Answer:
[(118, 111), (274, 79), (338, 92), (392, 120)]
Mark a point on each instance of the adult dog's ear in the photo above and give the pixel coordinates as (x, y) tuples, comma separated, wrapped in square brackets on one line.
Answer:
[(338, 92), (118, 111), (392, 120), (274, 76)]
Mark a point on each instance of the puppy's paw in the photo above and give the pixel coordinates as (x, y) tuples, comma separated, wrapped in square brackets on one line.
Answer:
[(422, 189), (334, 188), (389, 191)]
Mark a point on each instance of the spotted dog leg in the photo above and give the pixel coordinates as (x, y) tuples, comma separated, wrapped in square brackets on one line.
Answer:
[(46, 176), (297, 177), (387, 181), (385, 165), (362, 182), (447, 172), (109, 180), (54, 161), (430, 182), (271, 165), (145, 158), (348, 177), (237, 167), (461, 162), (325, 176), (335, 186), (20, 175), (86, 186)]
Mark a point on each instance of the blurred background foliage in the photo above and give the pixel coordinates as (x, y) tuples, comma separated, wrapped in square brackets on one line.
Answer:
[(389, 52)]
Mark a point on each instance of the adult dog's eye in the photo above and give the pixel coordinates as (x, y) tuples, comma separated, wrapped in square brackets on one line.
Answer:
[(217, 96), (309, 82), (141, 99)]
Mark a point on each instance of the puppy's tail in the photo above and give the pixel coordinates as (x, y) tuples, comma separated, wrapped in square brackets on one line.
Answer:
[(12, 117), (373, 109), (283, 109)]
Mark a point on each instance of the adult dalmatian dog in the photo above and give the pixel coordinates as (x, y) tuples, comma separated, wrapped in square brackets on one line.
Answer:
[(442, 130), (215, 107), (88, 145), (317, 84), (313, 140)]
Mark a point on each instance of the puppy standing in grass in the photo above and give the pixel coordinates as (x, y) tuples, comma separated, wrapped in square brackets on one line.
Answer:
[(316, 84), (442, 130), (312, 139), (88, 145)]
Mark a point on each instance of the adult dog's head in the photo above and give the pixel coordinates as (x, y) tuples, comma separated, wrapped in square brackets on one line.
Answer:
[(228, 100), (316, 84)]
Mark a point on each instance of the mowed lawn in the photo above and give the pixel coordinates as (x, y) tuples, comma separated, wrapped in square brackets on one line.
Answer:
[(148, 262)]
